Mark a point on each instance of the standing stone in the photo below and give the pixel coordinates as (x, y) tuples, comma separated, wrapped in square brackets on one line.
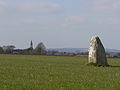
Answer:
[(97, 53)]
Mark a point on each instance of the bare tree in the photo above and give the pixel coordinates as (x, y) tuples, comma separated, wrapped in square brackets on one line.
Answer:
[(40, 49)]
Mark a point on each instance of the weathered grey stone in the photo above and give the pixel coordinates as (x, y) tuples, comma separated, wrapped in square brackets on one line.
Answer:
[(97, 52)]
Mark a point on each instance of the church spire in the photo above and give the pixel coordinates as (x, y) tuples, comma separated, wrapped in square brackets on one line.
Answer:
[(31, 44)]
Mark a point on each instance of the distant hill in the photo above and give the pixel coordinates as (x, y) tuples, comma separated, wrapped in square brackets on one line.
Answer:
[(82, 50), (112, 51), (72, 50)]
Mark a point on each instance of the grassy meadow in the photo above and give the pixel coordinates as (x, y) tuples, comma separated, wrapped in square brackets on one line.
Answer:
[(25, 72)]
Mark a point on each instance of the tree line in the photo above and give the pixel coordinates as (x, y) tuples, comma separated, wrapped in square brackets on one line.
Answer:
[(10, 49)]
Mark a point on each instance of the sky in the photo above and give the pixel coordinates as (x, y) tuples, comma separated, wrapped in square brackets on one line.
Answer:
[(59, 23)]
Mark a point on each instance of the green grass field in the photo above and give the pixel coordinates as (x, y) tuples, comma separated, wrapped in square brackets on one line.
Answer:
[(24, 72)]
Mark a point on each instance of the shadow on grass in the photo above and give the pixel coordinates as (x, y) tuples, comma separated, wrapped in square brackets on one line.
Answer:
[(94, 64), (115, 66)]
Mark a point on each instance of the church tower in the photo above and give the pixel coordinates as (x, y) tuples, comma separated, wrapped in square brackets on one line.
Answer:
[(31, 45)]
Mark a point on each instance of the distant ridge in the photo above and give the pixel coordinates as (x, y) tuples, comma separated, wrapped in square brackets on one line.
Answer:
[(72, 50), (82, 50)]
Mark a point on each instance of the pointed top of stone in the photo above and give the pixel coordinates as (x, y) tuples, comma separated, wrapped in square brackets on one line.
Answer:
[(94, 37)]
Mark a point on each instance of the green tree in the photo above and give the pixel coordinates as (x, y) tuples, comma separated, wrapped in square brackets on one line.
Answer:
[(8, 49), (1, 50)]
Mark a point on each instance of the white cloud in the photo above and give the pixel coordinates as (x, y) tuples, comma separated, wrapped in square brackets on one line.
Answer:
[(39, 6), (2, 3), (109, 20), (74, 20), (106, 5), (32, 6), (78, 20), (23, 21)]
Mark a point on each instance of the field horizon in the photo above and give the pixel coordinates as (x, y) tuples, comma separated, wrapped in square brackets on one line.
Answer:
[(34, 72)]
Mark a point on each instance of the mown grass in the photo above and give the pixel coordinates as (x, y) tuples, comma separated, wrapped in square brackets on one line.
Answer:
[(24, 72)]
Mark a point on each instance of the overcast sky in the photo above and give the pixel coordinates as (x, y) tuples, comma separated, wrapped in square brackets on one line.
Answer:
[(59, 23)]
